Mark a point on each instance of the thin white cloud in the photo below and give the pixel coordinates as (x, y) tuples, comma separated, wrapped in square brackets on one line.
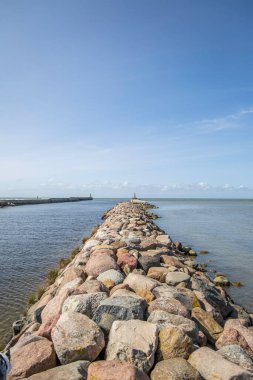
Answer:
[(231, 121), (235, 120)]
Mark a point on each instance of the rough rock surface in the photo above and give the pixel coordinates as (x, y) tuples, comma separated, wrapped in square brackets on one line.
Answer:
[(173, 343), (175, 278), (73, 371), (76, 337), (114, 275), (36, 356), (174, 369), (100, 262), (235, 354), (235, 332), (213, 366), (115, 370), (162, 319), (133, 341), (119, 308), (84, 303), (170, 305), (207, 324)]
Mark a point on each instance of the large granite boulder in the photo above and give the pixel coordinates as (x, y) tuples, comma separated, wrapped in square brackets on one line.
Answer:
[(235, 354), (73, 371), (115, 370), (213, 366), (127, 259), (147, 261), (138, 282), (236, 332), (92, 286), (175, 278), (76, 337), (213, 296), (113, 275), (158, 273), (174, 369), (119, 308), (100, 262), (34, 356), (207, 324), (52, 311), (162, 319), (133, 341), (170, 305), (173, 343), (184, 295), (84, 303)]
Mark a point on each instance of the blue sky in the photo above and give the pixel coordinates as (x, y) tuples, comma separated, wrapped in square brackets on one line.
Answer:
[(113, 96)]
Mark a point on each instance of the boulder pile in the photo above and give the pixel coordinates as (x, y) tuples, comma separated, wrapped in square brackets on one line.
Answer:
[(133, 305)]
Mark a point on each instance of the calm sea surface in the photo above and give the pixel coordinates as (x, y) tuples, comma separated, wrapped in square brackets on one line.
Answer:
[(34, 238)]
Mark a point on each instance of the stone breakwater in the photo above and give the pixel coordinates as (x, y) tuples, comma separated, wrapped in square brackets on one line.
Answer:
[(133, 305)]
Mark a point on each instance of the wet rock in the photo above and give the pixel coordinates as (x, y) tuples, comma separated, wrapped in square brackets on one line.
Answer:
[(213, 366), (174, 369), (133, 341), (173, 343), (236, 332), (235, 354), (207, 324), (191, 252), (119, 308), (175, 278), (162, 319), (178, 245), (221, 281), (84, 303), (139, 282), (113, 275), (28, 359), (99, 263), (76, 337), (73, 371), (170, 305), (115, 370)]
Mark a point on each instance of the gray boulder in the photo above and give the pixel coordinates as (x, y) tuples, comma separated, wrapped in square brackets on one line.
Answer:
[(119, 308), (73, 371), (84, 303), (235, 354)]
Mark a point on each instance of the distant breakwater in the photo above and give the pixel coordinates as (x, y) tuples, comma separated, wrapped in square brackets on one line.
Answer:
[(132, 304), (37, 201)]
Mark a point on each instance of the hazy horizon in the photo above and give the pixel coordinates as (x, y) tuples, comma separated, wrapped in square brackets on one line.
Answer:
[(116, 97)]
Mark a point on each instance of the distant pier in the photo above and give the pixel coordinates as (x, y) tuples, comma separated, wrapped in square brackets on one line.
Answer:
[(37, 201)]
